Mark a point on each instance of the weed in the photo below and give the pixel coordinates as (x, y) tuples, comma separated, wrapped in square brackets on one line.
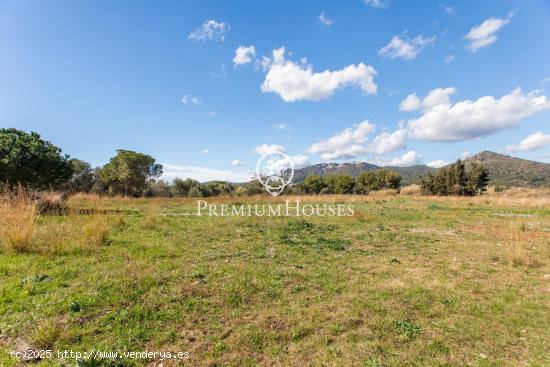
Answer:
[(46, 334), (407, 329)]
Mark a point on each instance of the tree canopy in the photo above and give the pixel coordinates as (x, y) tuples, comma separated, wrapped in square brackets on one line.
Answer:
[(456, 180), (28, 160), (127, 173)]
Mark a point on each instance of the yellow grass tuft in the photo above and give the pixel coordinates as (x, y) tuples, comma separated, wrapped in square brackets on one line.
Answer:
[(94, 232), (413, 189), (17, 220)]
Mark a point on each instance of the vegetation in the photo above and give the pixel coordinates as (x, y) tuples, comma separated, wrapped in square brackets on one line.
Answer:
[(28, 160), (424, 281), (455, 180), (344, 184), (83, 177), (127, 173)]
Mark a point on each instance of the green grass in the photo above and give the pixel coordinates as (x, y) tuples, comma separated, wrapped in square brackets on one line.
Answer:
[(404, 282)]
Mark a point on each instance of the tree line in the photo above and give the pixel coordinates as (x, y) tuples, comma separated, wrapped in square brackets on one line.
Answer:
[(28, 160), (456, 180)]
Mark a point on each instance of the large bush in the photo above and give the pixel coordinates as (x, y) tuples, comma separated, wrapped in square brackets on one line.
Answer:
[(28, 160), (456, 180)]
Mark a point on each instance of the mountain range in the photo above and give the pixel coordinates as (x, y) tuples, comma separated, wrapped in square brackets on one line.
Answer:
[(503, 170)]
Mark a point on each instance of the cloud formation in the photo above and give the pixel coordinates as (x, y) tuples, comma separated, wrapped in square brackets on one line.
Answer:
[(408, 159), (190, 99), (389, 142), (346, 144), (465, 120), (203, 174), (484, 34), (269, 148), (297, 81), (532, 142), (325, 20), (244, 55), (210, 30), (399, 48), (438, 163), (237, 163), (381, 4)]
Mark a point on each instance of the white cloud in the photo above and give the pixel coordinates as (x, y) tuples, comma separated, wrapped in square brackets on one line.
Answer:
[(545, 80), (205, 151), (269, 148), (408, 159), (438, 163), (449, 58), (280, 126), (389, 142), (450, 10), (212, 113), (436, 97), (346, 144), (325, 20), (297, 81), (381, 4), (532, 142), (210, 30), (404, 49), (411, 103), (203, 174), (236, 162), (190, 99), (484, 34), (297, 161), (442, 121), (465, 155), (244, 55)]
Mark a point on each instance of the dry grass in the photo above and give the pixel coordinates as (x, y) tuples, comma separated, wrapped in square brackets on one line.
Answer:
[(22, 228), (17, 220), (52, 203), (414, 189)]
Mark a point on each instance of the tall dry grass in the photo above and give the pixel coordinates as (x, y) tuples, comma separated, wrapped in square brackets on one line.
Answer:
[(27, 224), (409, 190), (18, 212)]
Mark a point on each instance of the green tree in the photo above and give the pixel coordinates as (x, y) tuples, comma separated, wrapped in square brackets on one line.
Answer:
[(377, 180), (127, 173), (157, 188), (456, 180), (388, 179), (28, 160), (182, 187), (340, 184), (368, 181), (478, 179), (83, 177), (314, 184)]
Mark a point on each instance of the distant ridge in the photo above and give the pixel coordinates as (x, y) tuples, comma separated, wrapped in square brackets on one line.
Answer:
[(410, 174), (511, 171), (503, 170)]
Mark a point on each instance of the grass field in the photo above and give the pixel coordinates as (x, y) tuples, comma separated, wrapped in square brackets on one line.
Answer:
[(406, 281)]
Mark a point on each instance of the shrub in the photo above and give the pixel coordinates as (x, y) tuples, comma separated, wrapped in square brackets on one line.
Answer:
[(455, 180)]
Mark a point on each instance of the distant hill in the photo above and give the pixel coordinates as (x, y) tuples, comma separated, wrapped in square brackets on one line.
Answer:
[(511, 171), (503, 170), (409, 174)]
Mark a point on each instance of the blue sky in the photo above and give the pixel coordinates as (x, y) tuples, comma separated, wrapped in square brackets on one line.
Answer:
[(388, 82)]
